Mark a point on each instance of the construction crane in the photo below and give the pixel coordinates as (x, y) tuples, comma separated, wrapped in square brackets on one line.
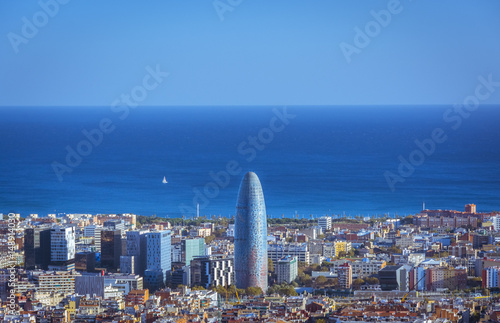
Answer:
[(481, 297), (236, 290), (411, 290)]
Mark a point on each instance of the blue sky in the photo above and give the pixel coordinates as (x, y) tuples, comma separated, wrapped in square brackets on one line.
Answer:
[(281, 52)]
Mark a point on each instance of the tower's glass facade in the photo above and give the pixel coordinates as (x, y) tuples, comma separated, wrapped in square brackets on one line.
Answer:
[(250, 238), (158, 258)]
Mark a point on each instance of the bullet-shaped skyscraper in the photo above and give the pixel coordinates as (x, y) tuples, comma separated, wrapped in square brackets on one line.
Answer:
[(250, 237)]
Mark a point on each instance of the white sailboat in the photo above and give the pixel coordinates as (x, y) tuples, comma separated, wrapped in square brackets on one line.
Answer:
[(164, 180)]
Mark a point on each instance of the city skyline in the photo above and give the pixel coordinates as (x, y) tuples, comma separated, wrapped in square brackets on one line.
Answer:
[(137, 138)]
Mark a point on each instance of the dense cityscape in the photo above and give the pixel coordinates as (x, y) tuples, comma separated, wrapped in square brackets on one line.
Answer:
[(238, 161), (434, 266)]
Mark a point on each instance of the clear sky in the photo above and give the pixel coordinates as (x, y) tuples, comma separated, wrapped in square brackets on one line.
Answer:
[(251, 52)]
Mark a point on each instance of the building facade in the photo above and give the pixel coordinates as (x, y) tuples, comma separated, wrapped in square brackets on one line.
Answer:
[(85, 261), (211, 271), (250, 241), (62, 248), (345, 276), (278, 251), (491, 277), (360, 268), (136, 247), (158, 258), (127, 264), (36, 248), (192, 248), (57, 282), (94, 231), (325, 223), (111, 249), (287, 269), (439, 278)]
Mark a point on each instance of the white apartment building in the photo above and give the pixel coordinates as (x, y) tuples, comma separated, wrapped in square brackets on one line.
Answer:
[(287, 269), (279, 251), (325, 223), (94, 231)]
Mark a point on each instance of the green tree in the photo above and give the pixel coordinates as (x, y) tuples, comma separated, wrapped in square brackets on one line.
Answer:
[(198, 288), (394, 249), (306, 281), (357, 283), (270, 265), (321, 281), (332, 282), (289, 291), (209, 239), (372, 280), (254, 291), (221, 290), (220, 232)]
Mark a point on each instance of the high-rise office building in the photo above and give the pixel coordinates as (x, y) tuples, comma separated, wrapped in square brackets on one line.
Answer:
[(37, 248), (111, 249), (114, 225), (250, 241), (85, 261), (158, 259), (62, 248), (94, 231), (127, 264), (136, 247), (192, 248)]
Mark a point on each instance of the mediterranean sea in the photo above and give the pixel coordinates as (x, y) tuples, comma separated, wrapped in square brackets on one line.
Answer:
[(312, 161)]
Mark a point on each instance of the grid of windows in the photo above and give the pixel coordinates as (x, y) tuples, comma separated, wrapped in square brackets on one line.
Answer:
[(62, 247)]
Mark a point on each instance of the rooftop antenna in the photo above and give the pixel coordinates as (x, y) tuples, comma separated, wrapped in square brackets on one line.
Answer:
[(197, 210), (423, 206)]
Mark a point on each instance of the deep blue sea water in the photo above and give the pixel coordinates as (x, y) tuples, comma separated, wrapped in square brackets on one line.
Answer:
[(326, 160)]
